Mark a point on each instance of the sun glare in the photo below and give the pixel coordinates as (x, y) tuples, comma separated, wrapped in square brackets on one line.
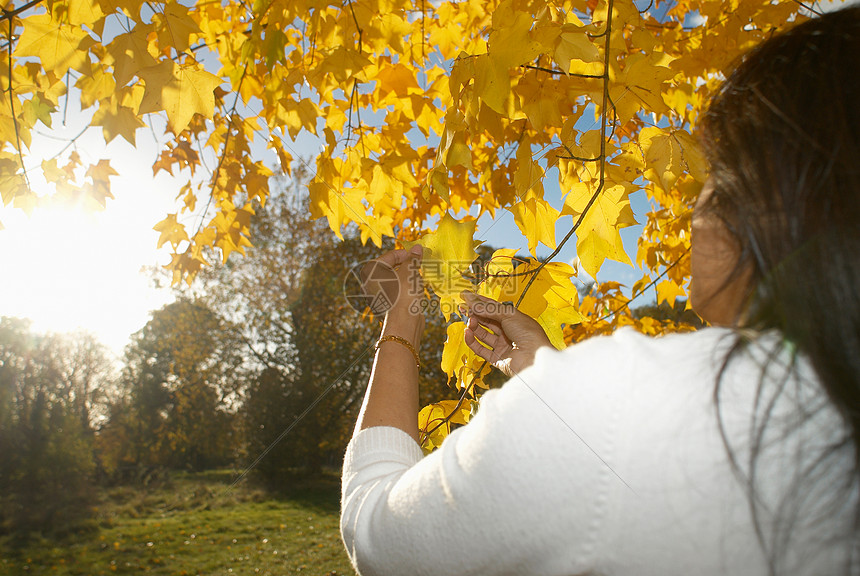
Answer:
[(68, 267)]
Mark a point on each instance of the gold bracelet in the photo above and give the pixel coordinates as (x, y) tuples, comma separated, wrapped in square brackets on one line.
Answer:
[(399, 340)]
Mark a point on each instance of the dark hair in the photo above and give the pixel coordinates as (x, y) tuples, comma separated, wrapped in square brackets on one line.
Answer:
[(783, 139)]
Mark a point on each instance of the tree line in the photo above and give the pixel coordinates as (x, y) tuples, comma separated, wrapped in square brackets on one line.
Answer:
[(224, 376)]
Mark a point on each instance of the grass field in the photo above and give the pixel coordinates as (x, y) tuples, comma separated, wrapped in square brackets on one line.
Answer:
[(194, 524)]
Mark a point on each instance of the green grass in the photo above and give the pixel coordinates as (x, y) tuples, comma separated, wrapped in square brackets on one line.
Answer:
[(195, 525)]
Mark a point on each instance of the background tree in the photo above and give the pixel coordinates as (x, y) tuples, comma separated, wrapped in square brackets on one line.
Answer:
[(48, 397), (180, 385), (286, 300)]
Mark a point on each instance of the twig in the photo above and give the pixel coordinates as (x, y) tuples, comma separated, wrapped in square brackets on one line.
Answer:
[(603, 122), (12, 109), (223, 154), (810, 8), (572, 156), (646, 288), (357, 27), (576, 225), (66, 103), (559, 72), (349, 117), (10, 14)]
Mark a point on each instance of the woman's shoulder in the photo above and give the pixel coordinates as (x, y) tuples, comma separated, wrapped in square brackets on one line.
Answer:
[(627, 351), (633, 376), (598, 379)]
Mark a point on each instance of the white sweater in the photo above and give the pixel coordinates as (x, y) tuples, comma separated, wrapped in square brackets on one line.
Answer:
[(606, 458)]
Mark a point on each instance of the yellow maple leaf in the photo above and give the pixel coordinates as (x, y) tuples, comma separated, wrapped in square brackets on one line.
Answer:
[(551, 299), (12, 183), (393, 32), (175, 27), (449, 252), (51, 172), (59, 46), (536, 219), (100, 174), (438, 417), (528, 179), (37, 109), (339, 207), (692, 154), (437, 180), (117, 120), (492, 83), (298, 115), (130, 53), (462, 366), (664, 158), (95, 86), (181, 91), (640, 85), (510, 43), (398, 79), (574, 44), (343, 64), (170, 231), (84, 12), (539, 100), (598, 235), (667, 291), (459, 153)]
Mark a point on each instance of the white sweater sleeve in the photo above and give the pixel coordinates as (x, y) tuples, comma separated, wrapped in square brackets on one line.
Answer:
[(498, 496)]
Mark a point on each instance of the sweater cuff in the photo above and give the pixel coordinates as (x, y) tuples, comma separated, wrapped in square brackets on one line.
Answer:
[(381, 444)]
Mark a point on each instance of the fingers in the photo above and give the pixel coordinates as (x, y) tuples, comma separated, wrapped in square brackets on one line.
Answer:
[(488, 354), (486, 339), (489, 309), (492, 337), (395, 258), (384, 268)]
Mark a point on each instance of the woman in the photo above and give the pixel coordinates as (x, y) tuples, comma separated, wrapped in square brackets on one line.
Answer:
[(732, 450)]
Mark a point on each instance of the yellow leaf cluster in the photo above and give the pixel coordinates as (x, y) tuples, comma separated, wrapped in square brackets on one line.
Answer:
[(424, 111)]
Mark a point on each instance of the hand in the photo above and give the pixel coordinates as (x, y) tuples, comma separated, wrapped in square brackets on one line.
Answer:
[(393, 283), (512, 336)]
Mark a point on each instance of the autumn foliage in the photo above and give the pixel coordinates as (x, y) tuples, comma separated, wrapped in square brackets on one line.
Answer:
[(431, 114)]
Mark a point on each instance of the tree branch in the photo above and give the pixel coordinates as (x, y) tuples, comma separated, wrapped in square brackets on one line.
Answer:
[(10, 14), (806, 7), (559, 72), (592, 200), (646, 288), (572, 156), (602, 158), (357, 27), (12, 110), (223, 154)]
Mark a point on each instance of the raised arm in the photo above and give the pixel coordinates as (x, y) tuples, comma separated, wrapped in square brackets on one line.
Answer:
[(392, 394)]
